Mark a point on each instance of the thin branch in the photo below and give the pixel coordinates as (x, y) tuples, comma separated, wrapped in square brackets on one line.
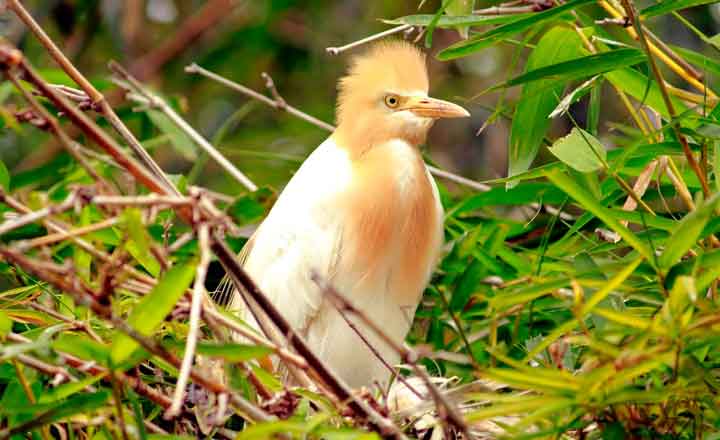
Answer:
[(631, 13), (147, 200), (194, 68), (194, 324), (97, 99), (51, 124), (75, 323), (215, 315), (40, 214), (147, 98), (371, 38), (278, 104), (45, 240), (408, 356)]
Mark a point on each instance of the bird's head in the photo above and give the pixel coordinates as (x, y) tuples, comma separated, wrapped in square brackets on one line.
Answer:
[(384, 96)]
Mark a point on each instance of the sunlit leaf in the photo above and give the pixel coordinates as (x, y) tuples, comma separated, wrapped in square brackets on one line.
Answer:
[(539, 98), (582, 67), (486, 39), (667, 6), (687, 233), (152, 309), (580, 150)]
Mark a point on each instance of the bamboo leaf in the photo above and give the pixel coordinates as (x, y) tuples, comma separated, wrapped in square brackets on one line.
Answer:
[(687, 233), (643, 89), (668, 6), (74, 405), (486, 39), (4, 177), (152, 309), (537, 100), (233, 352), (580, 150), (178, 138), (454, 21), (138, 244), (460, 8), (582, 67), (587, 201)]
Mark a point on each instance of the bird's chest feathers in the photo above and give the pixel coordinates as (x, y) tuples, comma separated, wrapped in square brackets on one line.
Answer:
[(393, 228)]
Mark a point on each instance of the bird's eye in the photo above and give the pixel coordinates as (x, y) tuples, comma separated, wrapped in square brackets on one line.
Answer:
[(392, 101)]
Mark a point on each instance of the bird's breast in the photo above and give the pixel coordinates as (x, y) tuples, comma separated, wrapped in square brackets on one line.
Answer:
[(393, 230)]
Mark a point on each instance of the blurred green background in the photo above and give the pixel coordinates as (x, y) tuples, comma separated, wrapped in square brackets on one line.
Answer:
[(156, 39)]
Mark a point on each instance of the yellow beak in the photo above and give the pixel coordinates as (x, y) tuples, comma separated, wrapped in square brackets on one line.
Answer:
[(433, 108)]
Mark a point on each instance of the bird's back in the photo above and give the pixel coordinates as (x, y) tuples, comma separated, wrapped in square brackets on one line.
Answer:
[(369, 226)]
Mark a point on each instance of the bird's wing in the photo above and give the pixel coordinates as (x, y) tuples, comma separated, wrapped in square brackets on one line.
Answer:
[(223, 294), (301, 236)]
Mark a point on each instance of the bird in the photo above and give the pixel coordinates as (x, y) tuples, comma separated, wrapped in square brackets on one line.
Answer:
[(361, 213)]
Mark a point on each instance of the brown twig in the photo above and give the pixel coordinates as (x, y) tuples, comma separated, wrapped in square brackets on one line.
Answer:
[(371, 38), (95, 96), (451, 414), (40, 214), (194, 324), (10, 58), (143, 96), (84, 295), (632, 15), (278, 104)]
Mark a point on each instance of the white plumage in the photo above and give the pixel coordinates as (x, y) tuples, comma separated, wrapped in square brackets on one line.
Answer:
[(304, 234), (362, 213)]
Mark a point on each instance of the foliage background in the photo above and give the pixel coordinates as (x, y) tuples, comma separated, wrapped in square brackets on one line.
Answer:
[(645, 365)]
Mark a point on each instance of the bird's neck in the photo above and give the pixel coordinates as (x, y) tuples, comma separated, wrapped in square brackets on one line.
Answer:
[(359, 135)]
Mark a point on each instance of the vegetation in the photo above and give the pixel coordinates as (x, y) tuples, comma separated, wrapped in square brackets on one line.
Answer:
[(578, 297)]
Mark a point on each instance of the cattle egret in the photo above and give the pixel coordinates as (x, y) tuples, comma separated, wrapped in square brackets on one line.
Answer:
[(362, 213)]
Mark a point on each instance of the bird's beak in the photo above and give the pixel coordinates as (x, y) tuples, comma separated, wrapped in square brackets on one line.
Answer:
[(427, 107)]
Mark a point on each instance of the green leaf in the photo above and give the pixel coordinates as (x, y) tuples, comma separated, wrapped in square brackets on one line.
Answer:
[(182, 143), (590, 203), (643, 89), (152, 309), (81, 346), (523, 193), (233, 352), (80, 403), (6, 324), (591, 85), (461, 8), (67, 389), (537, 100), (489, 38), (703, 62), (451, 22), (580, 150), (4, 177), (139, 241), (668, 6), (580, 67), (467, 285), (687, 233)]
